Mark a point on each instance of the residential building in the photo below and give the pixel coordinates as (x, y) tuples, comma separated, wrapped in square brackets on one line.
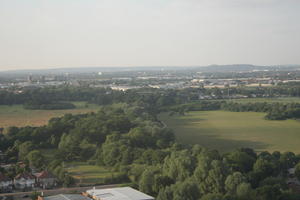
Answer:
[(292, 179), (24, 181), (45, 180), (6, 183)]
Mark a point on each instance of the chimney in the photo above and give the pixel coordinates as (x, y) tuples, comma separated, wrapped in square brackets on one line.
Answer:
[(40, 198)]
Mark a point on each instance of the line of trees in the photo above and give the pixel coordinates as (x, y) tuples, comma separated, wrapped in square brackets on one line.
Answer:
[(34, 105), (275, 111), (159, 97)]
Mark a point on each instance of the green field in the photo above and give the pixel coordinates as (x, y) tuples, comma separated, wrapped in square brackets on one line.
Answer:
[(16, 115), (84, 173), (88, 174), (226, 131)]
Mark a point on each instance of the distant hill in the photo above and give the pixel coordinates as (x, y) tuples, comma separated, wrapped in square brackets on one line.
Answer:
[(81, 70), (246, 67)]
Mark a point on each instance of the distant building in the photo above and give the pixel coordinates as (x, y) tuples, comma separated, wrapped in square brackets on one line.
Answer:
[(24, 181), (42, 79), (75, 83), (6, 184), (124, 88), (122, 193), (45, 180), (29, 79), (292, 179)]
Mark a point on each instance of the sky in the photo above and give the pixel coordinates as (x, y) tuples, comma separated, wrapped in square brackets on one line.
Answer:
[(37, 34)]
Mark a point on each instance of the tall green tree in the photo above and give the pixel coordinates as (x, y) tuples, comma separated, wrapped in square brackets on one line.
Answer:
[(24, 149), (36, 159), (233, 181)]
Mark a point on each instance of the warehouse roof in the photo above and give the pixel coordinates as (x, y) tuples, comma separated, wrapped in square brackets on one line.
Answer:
[(67, 197), (123, 193)]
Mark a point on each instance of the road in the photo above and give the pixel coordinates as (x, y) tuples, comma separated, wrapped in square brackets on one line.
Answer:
[(58, 191)]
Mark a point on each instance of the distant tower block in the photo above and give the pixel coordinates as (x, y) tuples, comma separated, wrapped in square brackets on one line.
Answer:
[(30, 79), (42, 79)]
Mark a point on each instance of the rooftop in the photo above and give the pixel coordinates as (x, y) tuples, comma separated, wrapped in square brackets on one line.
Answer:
[(44, 174), (25, 175), (67, 197), (123, 193), (3, 177)]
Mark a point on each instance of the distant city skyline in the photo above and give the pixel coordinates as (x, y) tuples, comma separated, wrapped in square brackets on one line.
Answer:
[(48, 34)]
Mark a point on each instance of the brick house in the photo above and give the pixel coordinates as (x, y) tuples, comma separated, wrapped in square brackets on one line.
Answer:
[(45, 180)]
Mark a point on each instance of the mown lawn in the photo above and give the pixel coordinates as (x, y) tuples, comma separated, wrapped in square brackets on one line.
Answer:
[(226, 131), (16, 115), (88, 174)]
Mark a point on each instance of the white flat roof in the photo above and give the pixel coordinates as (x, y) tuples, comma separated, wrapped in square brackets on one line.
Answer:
[(122, 193)]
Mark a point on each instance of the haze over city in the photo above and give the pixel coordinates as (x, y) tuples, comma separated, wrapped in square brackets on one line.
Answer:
[(38, 34)]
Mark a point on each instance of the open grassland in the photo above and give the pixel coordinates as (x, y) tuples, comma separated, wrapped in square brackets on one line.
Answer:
[(88, 174), (226, 131), (84, 173), (16, 115)]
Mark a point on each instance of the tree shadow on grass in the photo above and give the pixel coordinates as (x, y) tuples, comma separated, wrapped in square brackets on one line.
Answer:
[(221, 144), (210, 140)]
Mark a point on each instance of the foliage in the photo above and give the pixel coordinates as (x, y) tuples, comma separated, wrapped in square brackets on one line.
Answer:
[(129, 140), (36, 159), (34, 195), (297, 171)]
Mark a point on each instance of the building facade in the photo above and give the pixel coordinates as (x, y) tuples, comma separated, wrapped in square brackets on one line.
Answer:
[(6, 184), (45, 180), (24, 181)]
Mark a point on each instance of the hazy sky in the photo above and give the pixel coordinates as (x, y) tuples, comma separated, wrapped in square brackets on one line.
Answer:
[(73, 33)]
